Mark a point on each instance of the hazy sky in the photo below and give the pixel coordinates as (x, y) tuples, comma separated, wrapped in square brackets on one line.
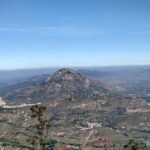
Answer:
[(43, 33)]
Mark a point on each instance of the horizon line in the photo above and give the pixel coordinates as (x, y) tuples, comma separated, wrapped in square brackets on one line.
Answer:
[(57, 67)]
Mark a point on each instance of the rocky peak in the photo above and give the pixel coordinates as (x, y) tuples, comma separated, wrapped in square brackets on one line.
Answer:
[(68, 80), (65, 74)]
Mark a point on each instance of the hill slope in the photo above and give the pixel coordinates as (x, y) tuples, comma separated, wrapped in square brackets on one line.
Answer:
[(63, 84)]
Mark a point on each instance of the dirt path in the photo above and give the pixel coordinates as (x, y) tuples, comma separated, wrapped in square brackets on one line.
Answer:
[(88, 137)]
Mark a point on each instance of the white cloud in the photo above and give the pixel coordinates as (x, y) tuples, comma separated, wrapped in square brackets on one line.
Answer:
[(7, 29), (144, 32), (60, 31)]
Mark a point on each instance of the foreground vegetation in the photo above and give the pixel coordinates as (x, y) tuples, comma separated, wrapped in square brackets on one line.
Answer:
[(36, 128)]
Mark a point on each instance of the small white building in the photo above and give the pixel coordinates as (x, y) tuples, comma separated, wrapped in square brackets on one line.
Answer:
[(92, 125)]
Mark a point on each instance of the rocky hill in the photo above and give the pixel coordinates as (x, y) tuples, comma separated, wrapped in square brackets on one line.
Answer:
[(63, 84)]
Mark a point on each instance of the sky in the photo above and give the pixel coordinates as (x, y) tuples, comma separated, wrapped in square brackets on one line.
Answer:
[(57, 33)]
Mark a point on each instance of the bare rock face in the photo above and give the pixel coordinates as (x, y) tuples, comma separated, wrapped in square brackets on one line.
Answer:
[(68, 79), (2, 103), (66, 75)]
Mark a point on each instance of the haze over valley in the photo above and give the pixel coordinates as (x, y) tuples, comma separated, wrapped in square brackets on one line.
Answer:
[(74, 75)]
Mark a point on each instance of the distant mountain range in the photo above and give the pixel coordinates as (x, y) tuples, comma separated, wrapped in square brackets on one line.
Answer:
[(43, 85)]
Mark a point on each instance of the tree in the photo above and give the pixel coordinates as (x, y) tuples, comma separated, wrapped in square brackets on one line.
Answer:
[(133, 145), (40, 125)]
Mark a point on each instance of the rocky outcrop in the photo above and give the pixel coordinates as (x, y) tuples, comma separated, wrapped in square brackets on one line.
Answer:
[(2, 103)]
